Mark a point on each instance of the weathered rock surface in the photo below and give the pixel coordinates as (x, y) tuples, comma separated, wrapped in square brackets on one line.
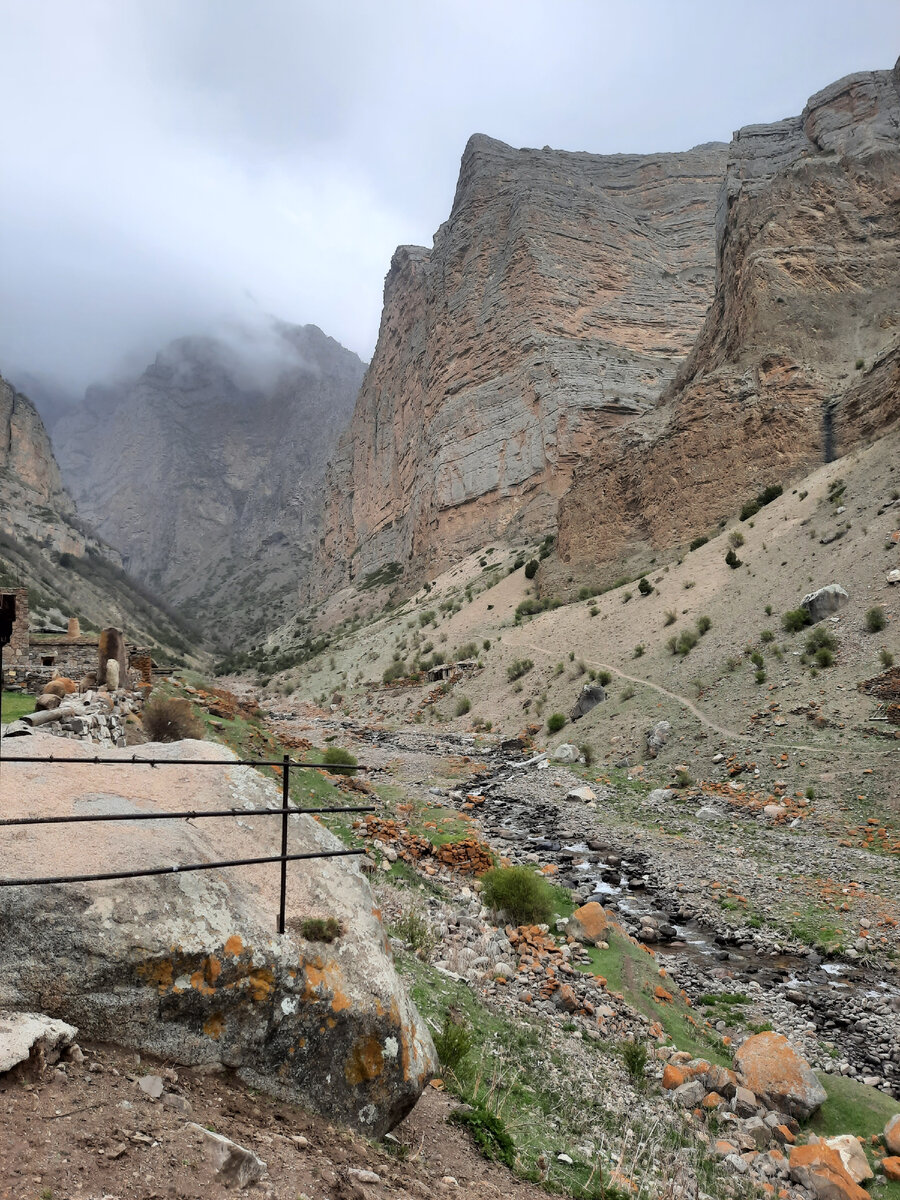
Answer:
[(825, 602), (27, 1035), (892, 1134), (772, 1069), (798, 359), (820, 1169), (556, 303), (206, 471), (236, 1165), (852, 1156), (188, 966), (590, 696)]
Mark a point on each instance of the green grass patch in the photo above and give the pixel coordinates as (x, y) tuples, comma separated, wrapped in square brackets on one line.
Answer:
[(15, 705), (852, 1107)]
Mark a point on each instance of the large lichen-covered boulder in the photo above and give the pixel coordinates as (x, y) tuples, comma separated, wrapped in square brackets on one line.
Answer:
[(189, 966), (772, 1069)]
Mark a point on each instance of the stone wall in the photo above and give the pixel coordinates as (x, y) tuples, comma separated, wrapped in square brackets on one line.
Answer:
[(16, 652)]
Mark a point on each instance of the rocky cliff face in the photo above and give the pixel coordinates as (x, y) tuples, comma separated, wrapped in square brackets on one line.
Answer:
[(556, 303), (206, 472), (45, 547), (798, 359)]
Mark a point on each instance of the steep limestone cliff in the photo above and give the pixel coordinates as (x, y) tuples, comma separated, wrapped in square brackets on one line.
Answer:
[(206, 472), (556, 303), (45, 547), (798, 358)]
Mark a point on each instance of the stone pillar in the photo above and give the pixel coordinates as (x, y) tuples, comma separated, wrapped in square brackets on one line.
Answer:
[(111, 645), (74, 627)]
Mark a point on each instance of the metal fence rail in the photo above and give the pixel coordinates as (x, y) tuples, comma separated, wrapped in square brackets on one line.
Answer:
[(285, 811)]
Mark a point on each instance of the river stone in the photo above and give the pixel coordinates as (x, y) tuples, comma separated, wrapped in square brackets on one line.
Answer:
[(770, 1067), (825, 602), (28, 1035), (189, 966), (566, 753), (591, 695)]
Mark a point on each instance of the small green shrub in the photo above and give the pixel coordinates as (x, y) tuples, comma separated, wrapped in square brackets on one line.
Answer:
[(519, 668), (770, 493), (634, 1055), (887, 659), (463, 705), (736, 539), (761, 676), (698, 542), (670, 618), (876, 619), (531, 568), (397, 670), (684, 643), (587, 753), (820, 639), (604, 678), (488, 1132), (794, 620), (522, 894), (639, 650), (626, 596), (683, 778), (732, 560), (645, 587), (767, 636), (750, 509), (757, 659), (339, 760), (453, 1042), (413, 927), (704, 624), (860, 363), (824, 657), (555, 722)]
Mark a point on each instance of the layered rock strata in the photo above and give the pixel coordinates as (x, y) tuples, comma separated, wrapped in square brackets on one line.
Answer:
[(798, 359), (556, 303)]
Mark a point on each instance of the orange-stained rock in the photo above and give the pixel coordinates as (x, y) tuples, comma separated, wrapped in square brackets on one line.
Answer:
[(892, 1167), (892, 1134), (589, 923), (820, 1169), (712, 1100), (60, 686), (770, 1067), (673, 1077), (723, 1148), (852, 1156)]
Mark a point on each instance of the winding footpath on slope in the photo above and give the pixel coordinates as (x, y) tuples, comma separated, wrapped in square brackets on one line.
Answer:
[(704, 720)]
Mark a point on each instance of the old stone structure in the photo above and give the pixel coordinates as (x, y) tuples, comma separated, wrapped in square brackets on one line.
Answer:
[(17, 649)]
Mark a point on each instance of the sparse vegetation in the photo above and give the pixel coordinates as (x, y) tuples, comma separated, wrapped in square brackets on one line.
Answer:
[(876, 619), (555, 722), (732, 560), (531, 568), (670, 618), (453, 1042), (639, 650), (634, 1055), (887, 659), (339, 760), (795, 619), (645, 587), (463, 705), (171, 719), (736, 539), (320, 929), (519, 668), (704, 624), (698, 542), (520, 892)]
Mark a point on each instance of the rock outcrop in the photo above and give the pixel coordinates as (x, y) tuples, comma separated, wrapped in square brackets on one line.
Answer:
[(206, 471), (556, 303), (772, 1069), (799, 359), (189, 966), (45, 546)]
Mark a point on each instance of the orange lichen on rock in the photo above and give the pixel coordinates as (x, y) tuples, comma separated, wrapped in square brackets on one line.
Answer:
[(234, 946), (366, 1061), (214, 1025), (820, 1168)]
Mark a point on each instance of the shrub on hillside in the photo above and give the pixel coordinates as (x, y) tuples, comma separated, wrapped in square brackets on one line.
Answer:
[(523, 895), (397, 670), (732, 560), (704, 624), (519, 668), (698, 542), (338, 759), (463, 705), (555, 722), (876, 619), (531, 568), (453, 1042), (171, 719), (645, 587), (794, 620), (750, 509)]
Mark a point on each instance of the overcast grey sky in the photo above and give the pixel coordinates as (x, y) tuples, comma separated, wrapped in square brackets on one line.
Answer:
[(169, 163)]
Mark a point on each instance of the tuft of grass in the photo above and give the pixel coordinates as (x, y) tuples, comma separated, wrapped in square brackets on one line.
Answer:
[(634, 1055), (523, 895), (320, 929), (463, 705), (555, 722), (489, 1133), (338, 760), (453, 1042), (171, 719), (704, 624), (519, 668)]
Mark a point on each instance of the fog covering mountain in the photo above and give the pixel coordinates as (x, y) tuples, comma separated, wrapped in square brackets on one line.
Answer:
[(205, 471)]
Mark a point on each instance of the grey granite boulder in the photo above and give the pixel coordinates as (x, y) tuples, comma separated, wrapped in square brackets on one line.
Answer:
[(825, 602)]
